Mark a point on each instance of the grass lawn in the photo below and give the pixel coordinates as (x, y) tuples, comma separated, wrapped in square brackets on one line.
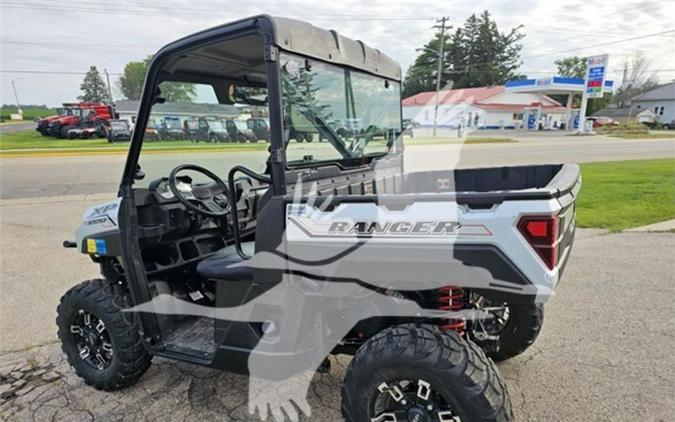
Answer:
[(643, 135), (28, 112), (623, 194), (30, 139)]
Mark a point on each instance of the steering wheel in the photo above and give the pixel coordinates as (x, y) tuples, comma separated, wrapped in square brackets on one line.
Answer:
[(203, 195)]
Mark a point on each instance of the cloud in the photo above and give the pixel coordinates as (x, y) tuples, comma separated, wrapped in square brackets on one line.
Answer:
[(50, 37)]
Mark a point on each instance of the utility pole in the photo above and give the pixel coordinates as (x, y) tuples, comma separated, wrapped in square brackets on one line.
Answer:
[(16, 97), (440, 69), (107, 78)]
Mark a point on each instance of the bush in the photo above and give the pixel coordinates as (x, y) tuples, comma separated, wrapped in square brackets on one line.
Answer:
[(630, 128)]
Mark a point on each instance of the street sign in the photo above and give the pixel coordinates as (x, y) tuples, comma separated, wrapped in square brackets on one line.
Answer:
[(595, 75)]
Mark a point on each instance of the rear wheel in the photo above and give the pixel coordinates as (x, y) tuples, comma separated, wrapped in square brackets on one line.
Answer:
[(513, 327), (102, 343), (418, 373)]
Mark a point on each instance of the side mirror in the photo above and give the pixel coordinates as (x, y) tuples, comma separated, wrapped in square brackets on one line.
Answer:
[(139, 174)]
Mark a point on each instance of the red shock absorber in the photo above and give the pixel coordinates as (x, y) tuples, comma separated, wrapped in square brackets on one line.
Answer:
[(451, 298)]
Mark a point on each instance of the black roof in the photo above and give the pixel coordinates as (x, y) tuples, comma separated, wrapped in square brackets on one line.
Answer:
[(303, 38)]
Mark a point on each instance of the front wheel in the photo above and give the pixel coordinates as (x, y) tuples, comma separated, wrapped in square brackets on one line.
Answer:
[(63, 132), (101, 342), (418, 373)]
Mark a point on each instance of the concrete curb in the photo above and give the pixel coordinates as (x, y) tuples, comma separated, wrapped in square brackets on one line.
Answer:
[(664, 226), (57, 199)]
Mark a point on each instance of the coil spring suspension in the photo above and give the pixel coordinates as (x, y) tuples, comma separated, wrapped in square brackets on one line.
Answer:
[(451, 298)]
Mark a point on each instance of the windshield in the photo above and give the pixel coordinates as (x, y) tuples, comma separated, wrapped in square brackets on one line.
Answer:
[(172, 123), (189, 127), (350, 114), (217, 126)]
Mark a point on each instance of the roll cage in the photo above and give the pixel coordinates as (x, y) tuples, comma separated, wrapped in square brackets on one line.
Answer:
[(275, 35)]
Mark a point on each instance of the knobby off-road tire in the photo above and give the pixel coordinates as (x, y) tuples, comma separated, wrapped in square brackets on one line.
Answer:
[(456, 369), (104, 300), (521, 331), (63, 131)]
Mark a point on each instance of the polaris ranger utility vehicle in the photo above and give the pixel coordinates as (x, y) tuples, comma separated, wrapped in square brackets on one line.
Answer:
[(269, 267)]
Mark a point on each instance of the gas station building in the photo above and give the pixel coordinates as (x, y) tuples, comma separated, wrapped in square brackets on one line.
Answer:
[(519, 104), (557, 85)]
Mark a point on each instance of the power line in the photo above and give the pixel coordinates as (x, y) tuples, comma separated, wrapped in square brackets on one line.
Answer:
[(160, 12), (74, 44), (49, 72), (471, 66), (586, 47)]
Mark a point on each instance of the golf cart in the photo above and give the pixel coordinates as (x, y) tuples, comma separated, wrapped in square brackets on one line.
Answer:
[(270, 267)]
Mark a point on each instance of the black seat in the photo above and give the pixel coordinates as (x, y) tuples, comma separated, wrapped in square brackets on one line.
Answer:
[(220, 264)]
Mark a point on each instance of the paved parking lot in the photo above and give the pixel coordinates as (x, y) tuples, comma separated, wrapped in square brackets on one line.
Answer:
[(605, 352)]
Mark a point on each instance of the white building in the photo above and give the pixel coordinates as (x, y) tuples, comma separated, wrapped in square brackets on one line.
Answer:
[(660, 101), (482, 108)]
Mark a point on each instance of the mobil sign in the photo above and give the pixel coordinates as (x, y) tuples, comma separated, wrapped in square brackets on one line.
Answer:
[(595, 75)]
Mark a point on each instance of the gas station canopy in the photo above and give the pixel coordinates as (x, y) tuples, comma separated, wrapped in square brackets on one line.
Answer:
[(557, 85), (552, 86)]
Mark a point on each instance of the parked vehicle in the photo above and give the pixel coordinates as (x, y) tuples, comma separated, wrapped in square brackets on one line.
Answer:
[(600, 121), (207, 130), (238, 131), (417, 275), (73, 116), (170, 129), (408, 126), (119, 131), (260, 128), (668, 125)]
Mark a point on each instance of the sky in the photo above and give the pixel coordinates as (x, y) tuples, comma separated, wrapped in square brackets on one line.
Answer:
[(46, 47)]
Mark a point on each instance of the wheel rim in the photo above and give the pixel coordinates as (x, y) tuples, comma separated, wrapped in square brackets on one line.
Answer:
[(489, 328), (92, 340), (410, 401)]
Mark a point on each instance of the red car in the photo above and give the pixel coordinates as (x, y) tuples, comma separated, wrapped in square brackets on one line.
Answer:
[(600, 121)]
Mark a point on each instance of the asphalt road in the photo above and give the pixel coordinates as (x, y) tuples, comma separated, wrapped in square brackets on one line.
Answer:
[(56, 176), (16, 127)]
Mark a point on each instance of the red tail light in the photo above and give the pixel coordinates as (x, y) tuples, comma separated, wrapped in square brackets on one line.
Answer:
[(541, 232)]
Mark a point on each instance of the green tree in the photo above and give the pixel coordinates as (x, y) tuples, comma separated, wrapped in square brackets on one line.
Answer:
[(477, 54), (573, 67), (130, 84), (421, 76), (93, 88)]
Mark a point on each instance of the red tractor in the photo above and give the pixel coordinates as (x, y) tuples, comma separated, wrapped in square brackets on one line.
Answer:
[(77, 116)]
